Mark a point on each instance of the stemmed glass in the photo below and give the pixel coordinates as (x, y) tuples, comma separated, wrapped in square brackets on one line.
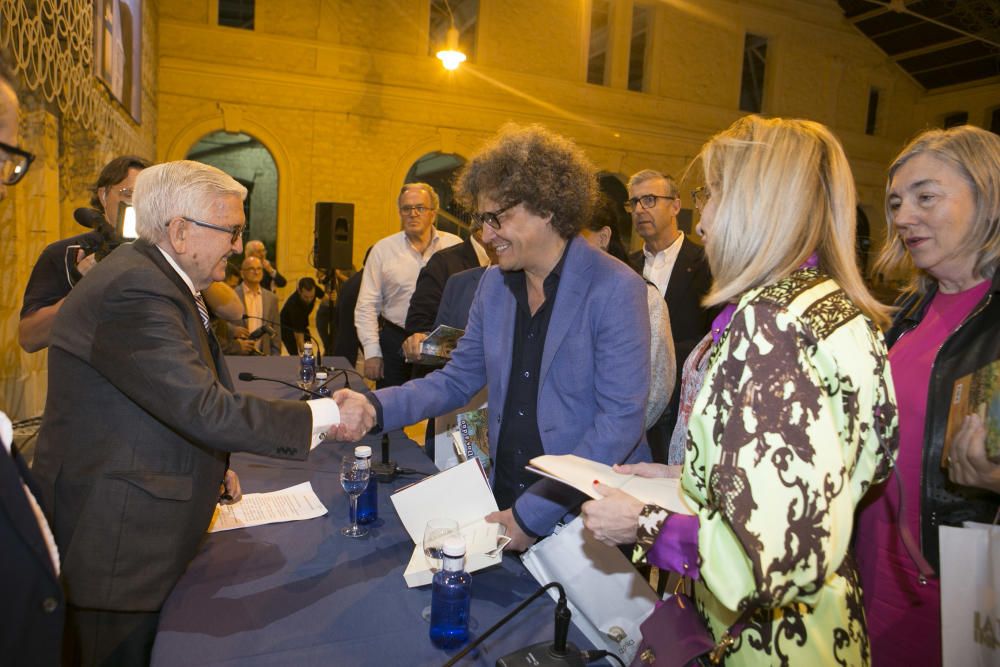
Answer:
[(354, 475), (435, 533)]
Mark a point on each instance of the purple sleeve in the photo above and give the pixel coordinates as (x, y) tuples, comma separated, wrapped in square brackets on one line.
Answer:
[(676, 546)]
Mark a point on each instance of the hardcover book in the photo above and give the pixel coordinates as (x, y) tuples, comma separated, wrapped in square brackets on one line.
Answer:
[(976, 393)]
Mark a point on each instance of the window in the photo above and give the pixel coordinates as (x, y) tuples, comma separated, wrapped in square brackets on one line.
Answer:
[(464, 14), (642, 18), (236, 13), (871, 122), (597, 59), (752, 83), (956, 119)]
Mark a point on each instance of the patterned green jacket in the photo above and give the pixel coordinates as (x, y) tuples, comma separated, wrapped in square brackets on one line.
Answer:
[(783, 441)]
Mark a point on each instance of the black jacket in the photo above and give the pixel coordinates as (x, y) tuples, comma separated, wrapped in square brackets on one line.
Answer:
[(971, 346), (426, 297)]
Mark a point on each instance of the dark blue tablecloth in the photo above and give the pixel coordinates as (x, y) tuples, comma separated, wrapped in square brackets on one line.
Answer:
[(300, 593)]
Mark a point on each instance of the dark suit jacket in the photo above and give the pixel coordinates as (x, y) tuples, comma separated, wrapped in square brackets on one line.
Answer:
[(33, 608), (456, 302), (138, 423), (689, 322), (346, 344), (430, 284), (269, 312)]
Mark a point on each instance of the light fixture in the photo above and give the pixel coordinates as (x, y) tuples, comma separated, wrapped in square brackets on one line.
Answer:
[(451, 57)]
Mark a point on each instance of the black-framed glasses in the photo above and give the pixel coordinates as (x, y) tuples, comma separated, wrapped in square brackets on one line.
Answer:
[(235, 233), (410, 209), (492, 218), (15, 163), (700, 196), (647, 201)]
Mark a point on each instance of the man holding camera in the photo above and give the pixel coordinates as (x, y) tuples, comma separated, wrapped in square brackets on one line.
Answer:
[(64, 262)]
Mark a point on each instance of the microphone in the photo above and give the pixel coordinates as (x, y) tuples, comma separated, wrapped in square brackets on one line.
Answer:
[(90, 218), (250, 377), (386, 469), (260, 331), (545, 654)]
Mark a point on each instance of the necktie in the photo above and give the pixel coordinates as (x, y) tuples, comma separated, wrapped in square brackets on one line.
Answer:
[(202, 310)]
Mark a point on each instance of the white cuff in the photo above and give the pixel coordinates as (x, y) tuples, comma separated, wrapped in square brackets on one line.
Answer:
[(325, 413)]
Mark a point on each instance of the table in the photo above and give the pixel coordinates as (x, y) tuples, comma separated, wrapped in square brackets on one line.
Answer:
[(300, 593)]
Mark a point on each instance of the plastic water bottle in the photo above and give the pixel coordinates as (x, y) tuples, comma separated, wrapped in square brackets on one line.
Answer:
[(451, 593), (307, 367), (321, 389), (368, 500)]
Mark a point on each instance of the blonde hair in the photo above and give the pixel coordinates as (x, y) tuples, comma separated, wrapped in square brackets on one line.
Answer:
[(975, 155), (783, 189), (182, 188)]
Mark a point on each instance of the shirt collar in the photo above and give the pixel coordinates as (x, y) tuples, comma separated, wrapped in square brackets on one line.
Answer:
[(675, 246), (180, 271)]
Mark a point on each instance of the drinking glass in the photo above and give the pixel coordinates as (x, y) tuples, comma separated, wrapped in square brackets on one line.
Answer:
[(354, 475), (435, 533)]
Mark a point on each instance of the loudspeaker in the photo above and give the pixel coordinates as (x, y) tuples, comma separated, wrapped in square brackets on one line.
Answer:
[(333, 240)]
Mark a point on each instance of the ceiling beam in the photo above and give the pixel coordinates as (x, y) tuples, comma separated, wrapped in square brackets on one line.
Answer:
[(931, 48)]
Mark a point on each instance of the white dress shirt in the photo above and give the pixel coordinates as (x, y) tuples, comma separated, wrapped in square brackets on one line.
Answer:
[(389, 278), (659, 266), (325, 412)]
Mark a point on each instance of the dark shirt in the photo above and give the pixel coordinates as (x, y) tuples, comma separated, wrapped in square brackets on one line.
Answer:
[(51, 277), (278, 280), (295, 319), (520, 440)]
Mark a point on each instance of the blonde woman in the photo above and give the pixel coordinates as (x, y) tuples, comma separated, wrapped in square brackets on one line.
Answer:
[(943, 208), (785, 433)]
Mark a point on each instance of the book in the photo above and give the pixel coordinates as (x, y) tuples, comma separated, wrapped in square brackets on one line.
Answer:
[(976, 393), (581, 473), (471, 437), (461, 493), (437, 347)]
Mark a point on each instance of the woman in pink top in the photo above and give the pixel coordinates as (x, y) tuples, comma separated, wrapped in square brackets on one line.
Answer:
[(943, 207)]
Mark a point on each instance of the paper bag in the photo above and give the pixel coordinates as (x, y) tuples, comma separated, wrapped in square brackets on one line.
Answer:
[(608, 597), (970, 595)]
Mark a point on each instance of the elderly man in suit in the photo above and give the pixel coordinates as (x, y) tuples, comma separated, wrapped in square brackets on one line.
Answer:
[(558, 333), (679, 270), (141, 414), (260, 307), (33, 609)]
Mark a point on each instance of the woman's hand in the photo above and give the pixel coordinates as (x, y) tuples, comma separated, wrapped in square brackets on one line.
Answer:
[(967, 462), (648, 470), (614, 519)]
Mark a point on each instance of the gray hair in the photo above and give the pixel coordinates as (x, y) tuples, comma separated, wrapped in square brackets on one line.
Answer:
[(435, 201), (649, 175), (182, 188)]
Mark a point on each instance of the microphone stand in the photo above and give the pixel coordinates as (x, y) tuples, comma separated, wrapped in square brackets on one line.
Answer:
[(385, 469), (250, 377)]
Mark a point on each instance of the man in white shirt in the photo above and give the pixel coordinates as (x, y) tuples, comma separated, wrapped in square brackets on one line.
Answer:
[(390, 277), (678, 268)]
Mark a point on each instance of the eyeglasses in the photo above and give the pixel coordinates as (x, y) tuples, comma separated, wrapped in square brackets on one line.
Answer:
[(410, 210), (647, 201), (234, 232), (492, 218), (14, 164), (701, 196)]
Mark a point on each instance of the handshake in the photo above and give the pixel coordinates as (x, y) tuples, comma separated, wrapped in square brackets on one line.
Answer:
[(357, 416)]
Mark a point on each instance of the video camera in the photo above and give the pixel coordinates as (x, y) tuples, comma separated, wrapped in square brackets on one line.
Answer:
[(108, 239)]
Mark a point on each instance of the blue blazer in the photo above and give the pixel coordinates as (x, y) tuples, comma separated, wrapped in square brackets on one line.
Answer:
[(594, 375)]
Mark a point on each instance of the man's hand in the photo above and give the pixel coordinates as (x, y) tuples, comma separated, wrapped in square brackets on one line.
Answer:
[(230, 491), (519, 540), (373, 368), (411, 346), (967, 462), (240, 332), (357, 416), (614, 519), (648, 470), (266, 263), (247, 346), (85, 262)]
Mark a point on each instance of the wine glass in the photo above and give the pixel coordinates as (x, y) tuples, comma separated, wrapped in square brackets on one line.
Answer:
[(354, 475), (435, 533)]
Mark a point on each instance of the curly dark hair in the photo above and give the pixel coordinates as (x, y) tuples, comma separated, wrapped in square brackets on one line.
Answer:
[(532, 165)]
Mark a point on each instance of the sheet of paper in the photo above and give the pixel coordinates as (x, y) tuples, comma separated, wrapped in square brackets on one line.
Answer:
[(296, 503), (461, 493)]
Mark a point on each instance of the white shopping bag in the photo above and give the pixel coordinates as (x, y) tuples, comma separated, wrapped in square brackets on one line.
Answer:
[(609, 599), (970, 595)]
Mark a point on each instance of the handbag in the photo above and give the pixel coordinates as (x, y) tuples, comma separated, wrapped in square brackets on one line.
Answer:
[(674, 635)]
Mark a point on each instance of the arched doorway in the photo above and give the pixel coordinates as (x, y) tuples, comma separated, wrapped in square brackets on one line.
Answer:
[(438, 170), (248, 161)]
